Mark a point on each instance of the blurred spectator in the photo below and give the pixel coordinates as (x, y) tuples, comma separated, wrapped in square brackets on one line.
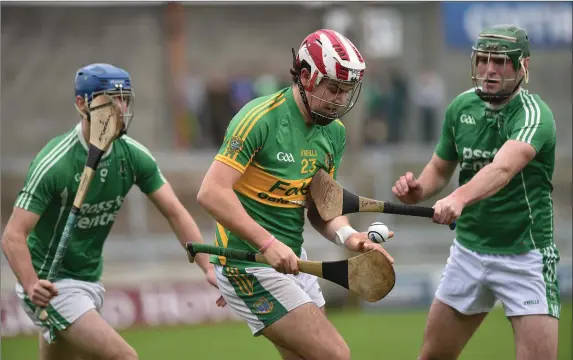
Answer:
[(385, 95), (429, 96), (375, 92), (397, 98), (266, 84), (220, 107), (242, 90), (195, 97)]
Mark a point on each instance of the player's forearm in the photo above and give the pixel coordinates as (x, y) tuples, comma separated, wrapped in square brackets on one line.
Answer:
[(224, 206), (16, 251), (326, 228), (488, 181), (187, 230), (432, 181)]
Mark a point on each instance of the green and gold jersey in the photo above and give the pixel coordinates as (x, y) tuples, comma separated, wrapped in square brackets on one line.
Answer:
[(520, 216), (269, 142), (49, 191)]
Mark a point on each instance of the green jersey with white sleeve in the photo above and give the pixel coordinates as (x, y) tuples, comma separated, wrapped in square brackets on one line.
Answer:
[(519, 217), (49, 190)]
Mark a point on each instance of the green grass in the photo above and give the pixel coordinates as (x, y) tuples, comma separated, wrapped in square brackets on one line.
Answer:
[(395, 336)]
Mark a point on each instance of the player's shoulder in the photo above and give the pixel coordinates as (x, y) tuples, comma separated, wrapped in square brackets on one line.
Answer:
[(465, 102), (465, 98), (56, 153), (265, 101), (134, 147), (60, 142), (532, 104), (336, 128), (528, 109), (262, 109)]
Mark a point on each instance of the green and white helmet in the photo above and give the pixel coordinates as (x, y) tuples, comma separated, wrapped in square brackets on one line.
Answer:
[(507, 42)]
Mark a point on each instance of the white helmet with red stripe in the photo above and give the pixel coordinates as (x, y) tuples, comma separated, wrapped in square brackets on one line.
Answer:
[(328, 55)]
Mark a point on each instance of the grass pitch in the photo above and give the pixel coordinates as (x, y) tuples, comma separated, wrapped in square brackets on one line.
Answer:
[(379, 335)]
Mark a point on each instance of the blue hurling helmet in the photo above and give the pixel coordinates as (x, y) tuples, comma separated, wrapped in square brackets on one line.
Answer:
[(96, 79)]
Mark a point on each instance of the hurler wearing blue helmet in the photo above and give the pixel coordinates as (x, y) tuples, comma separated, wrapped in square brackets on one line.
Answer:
[(74, 328)]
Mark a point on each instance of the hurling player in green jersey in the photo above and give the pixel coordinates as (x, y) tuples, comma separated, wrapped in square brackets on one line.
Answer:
[(256, 189), (74, 300), (503, 138)]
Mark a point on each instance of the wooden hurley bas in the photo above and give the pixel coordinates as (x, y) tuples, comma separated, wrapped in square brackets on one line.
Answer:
[(332, 200), (370, 275)]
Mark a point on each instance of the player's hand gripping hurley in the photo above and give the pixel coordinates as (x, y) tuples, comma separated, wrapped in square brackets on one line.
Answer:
[(370, 275), (105, 126), (332, 200)]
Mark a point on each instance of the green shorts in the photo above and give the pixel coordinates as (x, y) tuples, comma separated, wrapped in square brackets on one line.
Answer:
[(74, 299), (262, 295)]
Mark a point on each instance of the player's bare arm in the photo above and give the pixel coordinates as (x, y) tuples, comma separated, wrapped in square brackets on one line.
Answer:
[(216, 195), (184, 228), (180, 221), (512, 157), (433, 179), (436, 176), (20, 224), (339, 231)]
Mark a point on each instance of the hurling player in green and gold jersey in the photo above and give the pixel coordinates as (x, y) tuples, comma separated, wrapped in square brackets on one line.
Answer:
[(503, 138), (257, 187)]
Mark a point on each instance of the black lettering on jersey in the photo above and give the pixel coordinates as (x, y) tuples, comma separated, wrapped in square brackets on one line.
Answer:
[(277, 186)]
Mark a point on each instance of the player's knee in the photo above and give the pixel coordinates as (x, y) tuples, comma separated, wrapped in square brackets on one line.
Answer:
[(343, 352), (340, 351), (435, 353), (432, 357), (337, 350), (435, 357)]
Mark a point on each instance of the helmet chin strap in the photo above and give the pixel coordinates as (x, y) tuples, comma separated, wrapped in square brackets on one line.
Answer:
[(499, 96), (315, 118), (322, 120)]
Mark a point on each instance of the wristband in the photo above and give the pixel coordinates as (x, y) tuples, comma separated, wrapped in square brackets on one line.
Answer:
[(267, 244), (342, 234)]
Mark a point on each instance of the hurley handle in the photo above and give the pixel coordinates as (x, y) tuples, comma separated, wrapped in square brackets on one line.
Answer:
[(195, 248), (412, 210)]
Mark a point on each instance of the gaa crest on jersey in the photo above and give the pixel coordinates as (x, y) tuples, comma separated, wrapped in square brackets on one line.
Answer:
[(329, 162), (234, 145)]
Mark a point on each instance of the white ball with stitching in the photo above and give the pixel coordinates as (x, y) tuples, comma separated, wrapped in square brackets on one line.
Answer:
[(378, 232)]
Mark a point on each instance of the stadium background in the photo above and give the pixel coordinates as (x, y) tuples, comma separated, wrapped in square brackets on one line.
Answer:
[(192, 66)]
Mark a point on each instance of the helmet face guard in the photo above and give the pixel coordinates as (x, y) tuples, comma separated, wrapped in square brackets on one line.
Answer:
[(336, 109), (499, 45), (336, 69), (124, 98), (483, 59)]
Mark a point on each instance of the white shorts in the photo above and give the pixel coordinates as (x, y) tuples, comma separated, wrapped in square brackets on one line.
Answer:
[(262, 295), (74, 299), (526, 283)]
